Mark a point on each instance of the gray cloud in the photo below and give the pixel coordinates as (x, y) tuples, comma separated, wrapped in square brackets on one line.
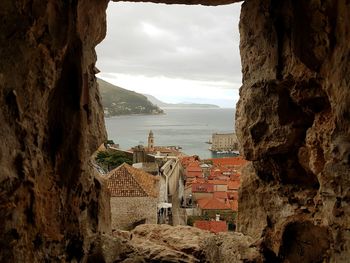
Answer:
[(191, 42)]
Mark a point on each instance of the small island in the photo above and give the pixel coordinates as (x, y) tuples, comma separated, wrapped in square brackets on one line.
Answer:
[(183, 105)]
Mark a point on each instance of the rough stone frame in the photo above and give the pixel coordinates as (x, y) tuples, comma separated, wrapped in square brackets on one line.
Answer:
[(292, 122)]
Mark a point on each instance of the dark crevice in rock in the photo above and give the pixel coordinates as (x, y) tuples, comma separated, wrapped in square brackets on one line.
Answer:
[(315, 27), (29, 211), (290, 112), (13, 105), (278, 22), (310, 96), (304, 242), (38, 241), (75, 248), (269, 255), (93, 214), (258, 130), (286, 170), (64, 113), (20, 166)]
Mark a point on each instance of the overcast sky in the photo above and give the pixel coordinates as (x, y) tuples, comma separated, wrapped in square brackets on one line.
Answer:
[(176, 53)]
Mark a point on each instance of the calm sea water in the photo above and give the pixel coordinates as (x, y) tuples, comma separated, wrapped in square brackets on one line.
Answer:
[(188, 128)]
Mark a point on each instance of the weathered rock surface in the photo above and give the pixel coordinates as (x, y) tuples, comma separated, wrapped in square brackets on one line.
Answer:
[(164, 243), (189, 2), (51, 123), (292, 121)]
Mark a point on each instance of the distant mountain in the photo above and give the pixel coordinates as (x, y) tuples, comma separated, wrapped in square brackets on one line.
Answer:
[(165, 105), (118, 101)]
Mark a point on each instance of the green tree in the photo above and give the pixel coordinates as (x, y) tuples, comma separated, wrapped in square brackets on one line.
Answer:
[(109, 160)]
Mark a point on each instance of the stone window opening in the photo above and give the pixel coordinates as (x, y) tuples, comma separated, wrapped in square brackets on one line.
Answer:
[(293, 110)]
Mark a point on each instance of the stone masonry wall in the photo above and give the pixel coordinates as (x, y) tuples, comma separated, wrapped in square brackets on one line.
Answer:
[(126, 211)]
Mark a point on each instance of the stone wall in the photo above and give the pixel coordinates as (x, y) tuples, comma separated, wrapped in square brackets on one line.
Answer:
[(224, 142), (175, 177), (292, 122), (127, 211)]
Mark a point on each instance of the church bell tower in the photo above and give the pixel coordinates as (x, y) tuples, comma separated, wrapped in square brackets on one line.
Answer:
[(150, 141)]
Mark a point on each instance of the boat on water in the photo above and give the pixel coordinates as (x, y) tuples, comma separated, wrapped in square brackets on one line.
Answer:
[(224, 151)]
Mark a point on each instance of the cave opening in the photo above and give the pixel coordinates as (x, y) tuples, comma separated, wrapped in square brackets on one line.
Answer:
[(174, 54), (187, 56)]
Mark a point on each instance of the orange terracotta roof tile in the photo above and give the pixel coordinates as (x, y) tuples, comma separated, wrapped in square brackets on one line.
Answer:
[(229, 161), (220, 195), (212, 204), (235, 176), (233, 185), (186, 160), (233, 195), (212, 226), (194, 174), (222, 178), (202, 188), (194, 164), (127, 181), (199, 180), (193, 169), (218, 182)]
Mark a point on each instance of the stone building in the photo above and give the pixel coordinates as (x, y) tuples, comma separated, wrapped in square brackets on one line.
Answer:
[(224, 142), (134, 197)]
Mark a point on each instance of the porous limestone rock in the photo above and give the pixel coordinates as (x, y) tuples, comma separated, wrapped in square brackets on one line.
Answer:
[(164, 243), (188, 2), (292, 122), (51, 122)]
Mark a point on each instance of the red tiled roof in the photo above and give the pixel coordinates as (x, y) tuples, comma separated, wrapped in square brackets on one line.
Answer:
[(212, 226), (199, 180), (221, 177), (212, 181), (127, 181), (220, 195), (212, 204), (194, 174), (218, 182), (186, 160), (235, 176), (227, 161), (204, 188), (193, 168), (233, 195), (233, 185)]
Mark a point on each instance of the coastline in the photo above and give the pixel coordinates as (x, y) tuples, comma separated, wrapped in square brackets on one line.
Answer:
[(189, 129), (135, 114), (164, 111)]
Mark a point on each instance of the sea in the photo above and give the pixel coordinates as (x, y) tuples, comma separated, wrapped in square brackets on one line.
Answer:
[(191, 129)]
